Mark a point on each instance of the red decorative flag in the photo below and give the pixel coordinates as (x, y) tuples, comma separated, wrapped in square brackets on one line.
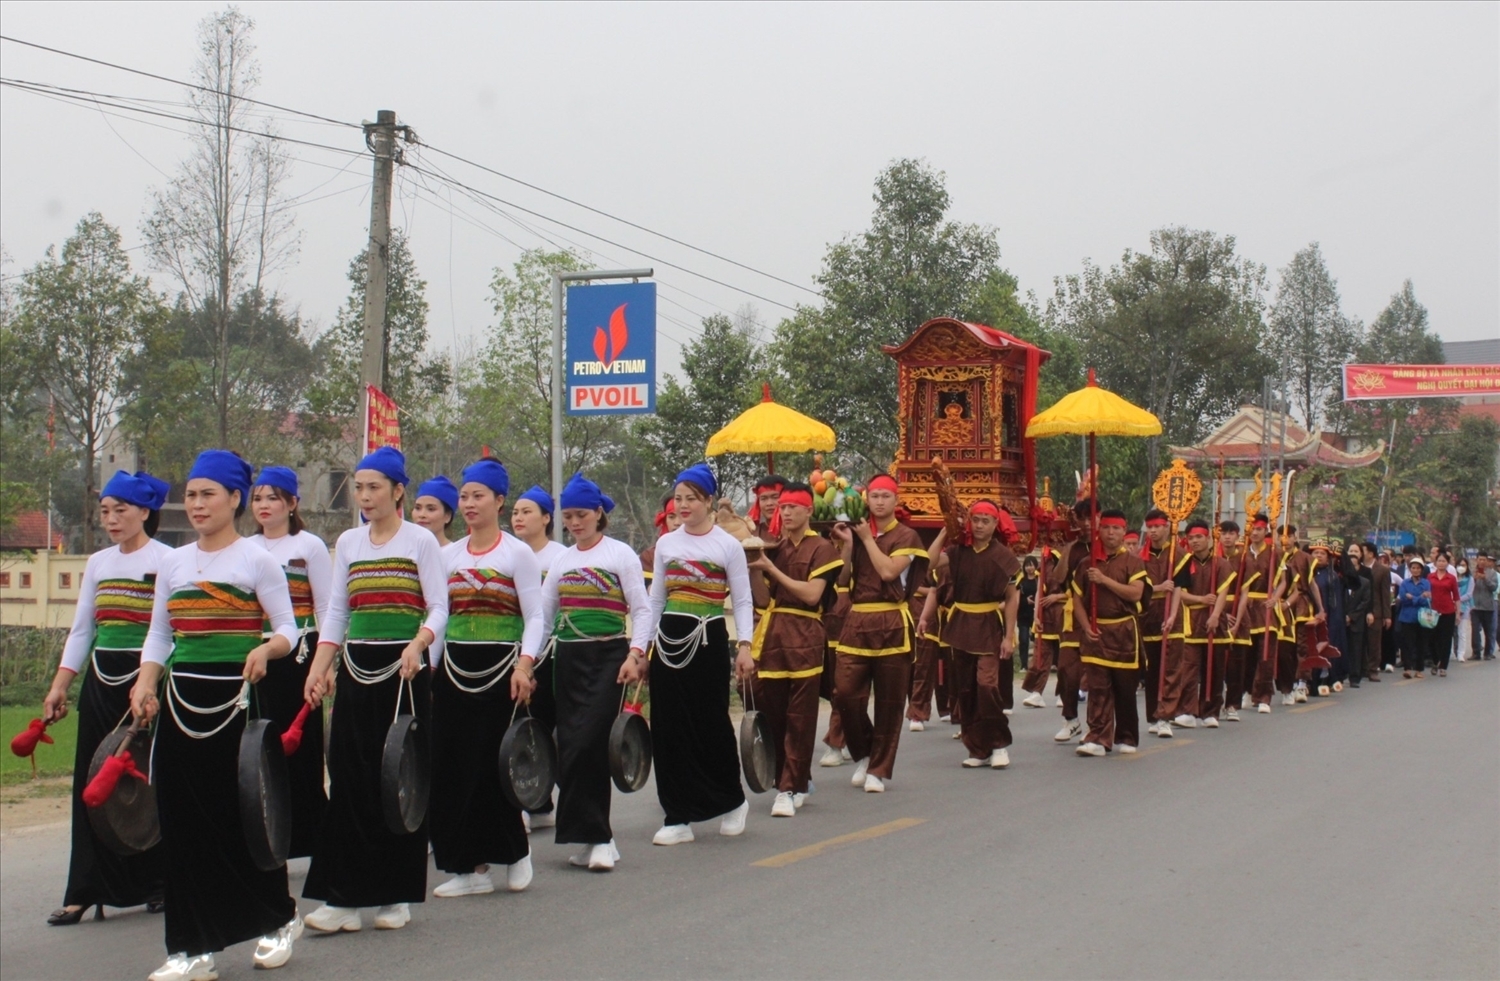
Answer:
[(382, 427)]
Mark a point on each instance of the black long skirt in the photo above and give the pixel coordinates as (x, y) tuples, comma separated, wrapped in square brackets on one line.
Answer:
[(358, 861), (280, 695), (472, 822), (693, 745), (544, 706), (587, 702), (95, 874), (215, 895)]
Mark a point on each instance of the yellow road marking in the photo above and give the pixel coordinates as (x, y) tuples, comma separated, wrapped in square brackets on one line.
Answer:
[(1409, 681), (814, 850), (1165, 744), (1309, 707)]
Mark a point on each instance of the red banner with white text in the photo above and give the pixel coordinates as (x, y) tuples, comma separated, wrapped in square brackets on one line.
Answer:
[(382, 428), (1363, 382)]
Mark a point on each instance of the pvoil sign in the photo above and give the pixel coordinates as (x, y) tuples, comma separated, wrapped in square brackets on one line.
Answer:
[(611, 349)]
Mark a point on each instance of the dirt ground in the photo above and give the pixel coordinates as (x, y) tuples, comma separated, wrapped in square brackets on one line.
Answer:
[(34, 803)]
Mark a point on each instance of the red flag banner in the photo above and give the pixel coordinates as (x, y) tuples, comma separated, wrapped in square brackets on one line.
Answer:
[(382, 428), (1364, 382)]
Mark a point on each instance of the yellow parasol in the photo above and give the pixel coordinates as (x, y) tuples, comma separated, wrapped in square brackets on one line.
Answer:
[(1092, 411), (770, 427)]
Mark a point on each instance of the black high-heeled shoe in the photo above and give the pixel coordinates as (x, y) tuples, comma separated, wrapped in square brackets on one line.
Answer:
[(67, 917)]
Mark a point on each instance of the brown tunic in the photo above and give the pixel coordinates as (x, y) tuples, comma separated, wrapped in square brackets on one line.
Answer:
[(795, 641), (1156, 610), (1049, 621), (980, 581), (1118, 645), (1066, 571), (1206, 576), (878, 623)]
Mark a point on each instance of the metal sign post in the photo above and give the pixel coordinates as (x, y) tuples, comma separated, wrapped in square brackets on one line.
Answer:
[(559, 352)]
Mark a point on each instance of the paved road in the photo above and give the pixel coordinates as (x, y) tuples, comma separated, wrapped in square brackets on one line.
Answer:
[(1350, 837)]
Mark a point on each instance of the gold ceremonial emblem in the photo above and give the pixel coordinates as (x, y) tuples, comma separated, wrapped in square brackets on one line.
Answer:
[(1176, 491), (1252, 499), (1273, 502), (1367, 381), (1045, 504)]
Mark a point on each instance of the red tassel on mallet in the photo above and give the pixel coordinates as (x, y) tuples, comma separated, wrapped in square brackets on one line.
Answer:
[(103, 784), (292, 738), (24, 744)]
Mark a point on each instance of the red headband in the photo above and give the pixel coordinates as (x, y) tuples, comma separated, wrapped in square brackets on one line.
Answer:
[(984, 507), (798, 497), (1259, 523), (661, 516), (884, 482), (1111, 522), (1132, 533), (1196, 525), (1156, 522)]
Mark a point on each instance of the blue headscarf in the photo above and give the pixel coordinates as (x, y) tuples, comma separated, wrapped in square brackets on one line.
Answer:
[(582, 492), (699, 474), (489, 472), (389, 462), (441, 488), (536, 495), (224, 468), (140, 489), (281, 478)]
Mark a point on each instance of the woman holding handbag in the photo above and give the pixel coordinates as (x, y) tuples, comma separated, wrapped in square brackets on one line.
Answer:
[(1412, 599)]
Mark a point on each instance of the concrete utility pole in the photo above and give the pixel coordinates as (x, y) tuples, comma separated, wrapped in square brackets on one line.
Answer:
[(380, 137)]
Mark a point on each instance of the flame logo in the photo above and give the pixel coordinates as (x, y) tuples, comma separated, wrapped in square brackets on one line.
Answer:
[(614, 342)]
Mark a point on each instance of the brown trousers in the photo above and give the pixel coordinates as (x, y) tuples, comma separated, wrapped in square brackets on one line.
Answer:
[(1242, 660), (1183, 664), (1265, 667), (1151, 678), (1040, 668), (1373, 634), (1112, 715), (1069, 680), (1215, 674), (835, 735), (890, 677), (980, 678), (790, 705), (931, 675)]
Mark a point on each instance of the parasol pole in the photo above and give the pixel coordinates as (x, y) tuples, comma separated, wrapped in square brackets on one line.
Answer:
[(1213, 570)]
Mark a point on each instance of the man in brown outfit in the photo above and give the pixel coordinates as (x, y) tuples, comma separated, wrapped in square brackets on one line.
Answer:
[(1109, 592), (1167, 566), (1382, 597), (980, 628), (1060, 596), (884, 562), (1203, 605)]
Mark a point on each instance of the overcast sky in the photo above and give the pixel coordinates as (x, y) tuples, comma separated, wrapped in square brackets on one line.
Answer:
[(756, 131)]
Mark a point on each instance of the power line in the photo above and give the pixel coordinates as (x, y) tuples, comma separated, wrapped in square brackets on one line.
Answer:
[(623, 221), (178, 81)]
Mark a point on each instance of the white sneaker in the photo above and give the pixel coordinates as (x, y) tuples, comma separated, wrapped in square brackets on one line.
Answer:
[(1125, 748), (1209, 722), (1246, 701), (332, 919), (673, 834), (1231, 714), (1185, 721), (831, 757), (916, 725), (863, 767), (1034, 701), (526, 821), (274, 950), (466, 884), (392, 917), (783, 806), (1164, 729), (800, 799), (1008, 711), (597, 858), (845, 755), (1289, 699), (733, 823), (1057, 701), (973, 763), (1390, 669), (518, 876), (874, 785), (181, 967), (946, 718), (999, 759), (1264, 708), (1090, 749), (545, 819), (1300, 694), (957, 734), (1068, 732)]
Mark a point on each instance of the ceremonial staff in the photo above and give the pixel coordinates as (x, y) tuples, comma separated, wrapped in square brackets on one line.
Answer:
[(1213, 569), (1175, 491)]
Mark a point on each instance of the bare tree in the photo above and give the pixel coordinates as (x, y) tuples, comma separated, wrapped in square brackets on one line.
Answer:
[(222, 226)]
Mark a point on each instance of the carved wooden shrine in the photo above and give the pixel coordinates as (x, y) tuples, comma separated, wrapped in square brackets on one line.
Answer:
[(966, 393)]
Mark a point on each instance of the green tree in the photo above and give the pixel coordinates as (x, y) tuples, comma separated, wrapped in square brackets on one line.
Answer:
[(911, 265), (1310, 338), (222, 225), (416, 380), (1175, 330), (79, 318)]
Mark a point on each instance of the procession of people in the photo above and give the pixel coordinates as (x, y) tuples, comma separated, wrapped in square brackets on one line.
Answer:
[(462, 637)]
